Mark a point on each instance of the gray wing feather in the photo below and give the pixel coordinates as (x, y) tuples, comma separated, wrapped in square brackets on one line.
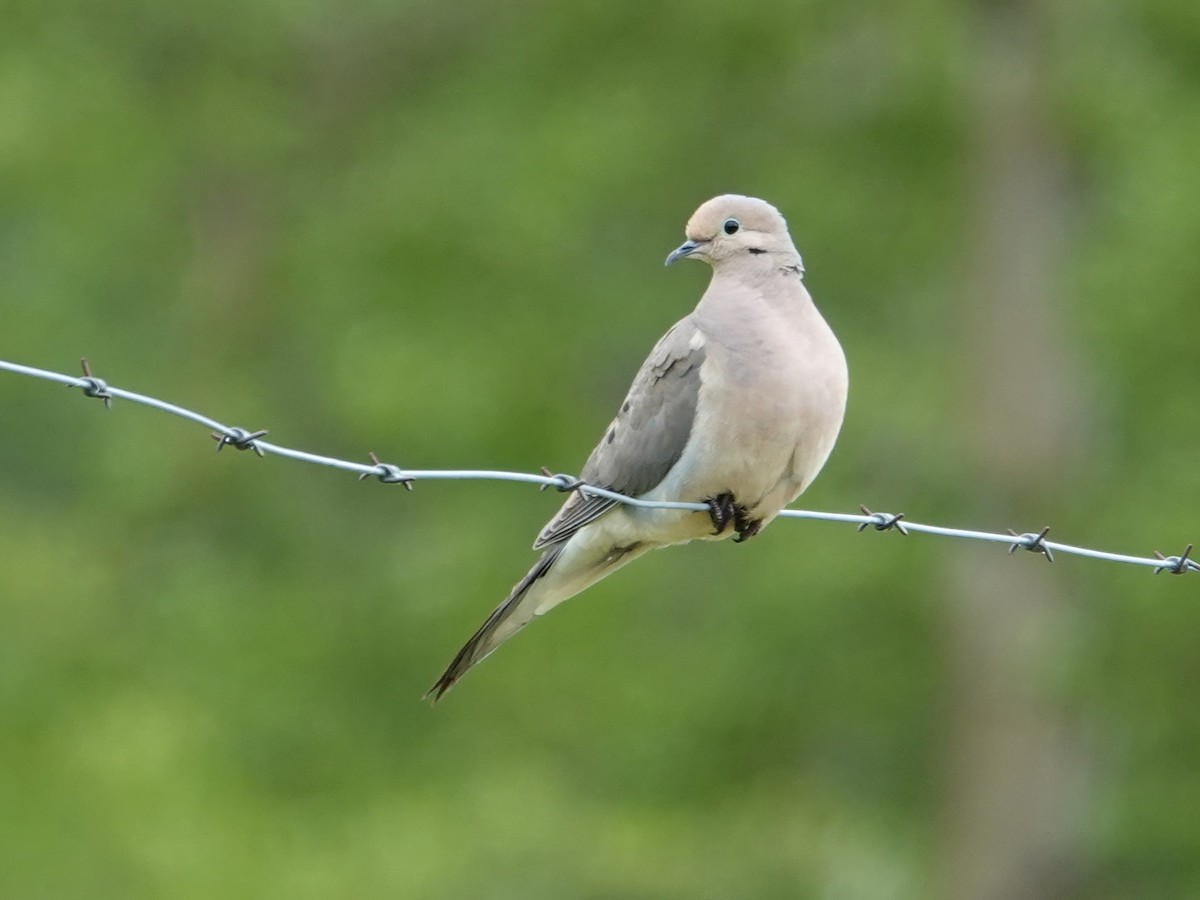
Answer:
[(646, 438)]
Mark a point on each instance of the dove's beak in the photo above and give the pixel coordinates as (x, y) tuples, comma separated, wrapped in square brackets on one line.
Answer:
[(683, 251)]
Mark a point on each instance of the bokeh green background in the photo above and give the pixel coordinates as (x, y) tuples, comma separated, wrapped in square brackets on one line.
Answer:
[(435, 230)]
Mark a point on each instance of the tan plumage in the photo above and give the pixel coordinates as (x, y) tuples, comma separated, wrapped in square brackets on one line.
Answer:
[(739, 404)]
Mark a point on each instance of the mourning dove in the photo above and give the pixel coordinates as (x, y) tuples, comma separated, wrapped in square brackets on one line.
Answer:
[(737, 407)]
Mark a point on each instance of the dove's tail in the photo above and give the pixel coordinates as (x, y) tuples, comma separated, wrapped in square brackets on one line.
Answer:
[(506, 620), (563, 571)]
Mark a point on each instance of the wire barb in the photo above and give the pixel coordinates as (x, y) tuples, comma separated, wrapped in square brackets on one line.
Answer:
[(882, 521), (1034, 543), (93, 386), (387, 473), (1177, 565), (239, 438), (562, 483)]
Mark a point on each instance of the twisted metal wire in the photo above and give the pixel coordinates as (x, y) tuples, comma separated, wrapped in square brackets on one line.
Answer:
[(388, 473)]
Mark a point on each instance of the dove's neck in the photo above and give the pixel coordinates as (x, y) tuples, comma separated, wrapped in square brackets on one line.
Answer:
[(762, 266), (773, 280)]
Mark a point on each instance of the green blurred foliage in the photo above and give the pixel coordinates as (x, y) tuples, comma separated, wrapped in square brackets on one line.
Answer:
[(435, 230)]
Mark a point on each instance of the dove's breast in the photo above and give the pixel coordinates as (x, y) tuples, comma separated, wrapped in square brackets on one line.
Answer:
[(771, 401)]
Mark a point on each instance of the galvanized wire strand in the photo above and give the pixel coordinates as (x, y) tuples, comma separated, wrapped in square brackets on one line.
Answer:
[(389, 473)]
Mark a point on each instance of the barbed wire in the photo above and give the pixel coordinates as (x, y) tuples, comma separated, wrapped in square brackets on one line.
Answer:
[(388, 473)]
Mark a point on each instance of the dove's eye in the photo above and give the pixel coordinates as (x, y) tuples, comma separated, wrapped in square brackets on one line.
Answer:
[(731, 226)]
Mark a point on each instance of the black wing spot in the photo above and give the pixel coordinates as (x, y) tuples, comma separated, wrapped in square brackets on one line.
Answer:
[(757, 250), (625, 407), (612, 433)]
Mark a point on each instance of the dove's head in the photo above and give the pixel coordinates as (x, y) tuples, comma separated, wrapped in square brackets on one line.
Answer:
[(735, 230)]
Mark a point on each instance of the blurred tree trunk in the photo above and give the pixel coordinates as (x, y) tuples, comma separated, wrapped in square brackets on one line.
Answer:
[(1016, 773)]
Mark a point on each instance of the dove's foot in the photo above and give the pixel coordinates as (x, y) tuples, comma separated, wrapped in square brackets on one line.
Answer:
[(723, 510), (746, 528)]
